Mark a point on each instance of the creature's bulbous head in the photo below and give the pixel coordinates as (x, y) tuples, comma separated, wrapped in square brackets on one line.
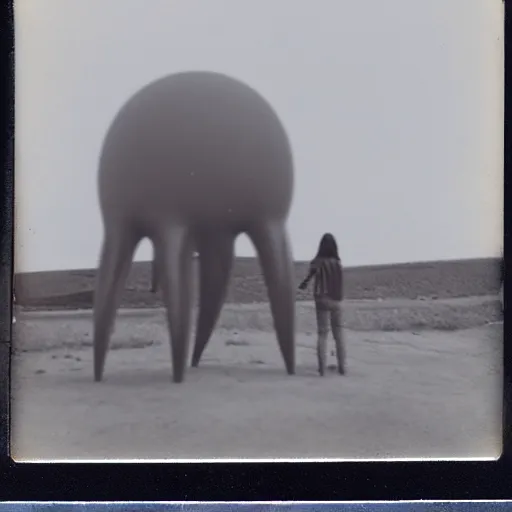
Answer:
[(199, 146)]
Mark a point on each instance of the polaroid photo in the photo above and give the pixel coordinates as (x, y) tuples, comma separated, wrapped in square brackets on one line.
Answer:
[(256, 231)]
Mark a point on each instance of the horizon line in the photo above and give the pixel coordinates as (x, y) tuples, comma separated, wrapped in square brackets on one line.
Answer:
[(374, 265)]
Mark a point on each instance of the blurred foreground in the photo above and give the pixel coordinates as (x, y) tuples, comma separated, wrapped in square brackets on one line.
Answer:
[(409, 391)]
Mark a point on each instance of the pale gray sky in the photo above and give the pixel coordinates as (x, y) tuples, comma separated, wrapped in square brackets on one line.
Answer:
[(393, 108)]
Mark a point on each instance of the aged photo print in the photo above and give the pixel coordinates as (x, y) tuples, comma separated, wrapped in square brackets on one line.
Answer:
[(269, 229)]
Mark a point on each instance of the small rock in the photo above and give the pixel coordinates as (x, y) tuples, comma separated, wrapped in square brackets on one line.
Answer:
[(38, 372), (236, 343)]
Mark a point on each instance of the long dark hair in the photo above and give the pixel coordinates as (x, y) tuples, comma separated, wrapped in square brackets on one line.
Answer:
[(328, 248)]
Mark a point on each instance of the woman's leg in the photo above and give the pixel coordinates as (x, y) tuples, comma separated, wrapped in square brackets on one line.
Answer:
[(337, 332), (322, 320)]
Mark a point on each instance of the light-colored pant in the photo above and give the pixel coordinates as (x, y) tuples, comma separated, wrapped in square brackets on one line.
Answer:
[(328, 311)]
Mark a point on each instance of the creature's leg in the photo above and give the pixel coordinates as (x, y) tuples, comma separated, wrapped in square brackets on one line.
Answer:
[(216, 260), (272, 246), (174, 255), (322, 321), (115, 260), (337, 332), (154, 274)]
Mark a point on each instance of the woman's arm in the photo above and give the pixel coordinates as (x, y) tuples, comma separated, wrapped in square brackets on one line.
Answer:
[(312, 271)]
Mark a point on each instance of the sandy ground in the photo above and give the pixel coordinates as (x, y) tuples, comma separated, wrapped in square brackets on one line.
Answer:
[(407, 393)]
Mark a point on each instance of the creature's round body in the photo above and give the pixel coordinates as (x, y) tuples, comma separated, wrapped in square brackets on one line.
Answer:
[(198, 147)]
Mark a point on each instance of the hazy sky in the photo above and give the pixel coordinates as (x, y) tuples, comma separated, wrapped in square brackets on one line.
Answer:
[(393, 109)]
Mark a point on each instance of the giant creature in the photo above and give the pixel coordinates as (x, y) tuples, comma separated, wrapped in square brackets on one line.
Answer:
[(191, 161)]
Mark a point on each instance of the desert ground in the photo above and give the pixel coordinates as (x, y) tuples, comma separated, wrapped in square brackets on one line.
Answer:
[(424, 372)]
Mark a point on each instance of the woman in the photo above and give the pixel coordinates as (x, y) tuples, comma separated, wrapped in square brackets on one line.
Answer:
[(328, 292)]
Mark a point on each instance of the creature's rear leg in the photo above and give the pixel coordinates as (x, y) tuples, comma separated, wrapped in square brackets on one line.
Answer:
[(174, 256), (271, 242), (116, 256), (216, 260), (154, 274)]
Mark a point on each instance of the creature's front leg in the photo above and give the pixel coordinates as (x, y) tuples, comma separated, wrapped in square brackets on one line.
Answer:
[(115, 260), (216, 250), (271, 242), (174, 256)]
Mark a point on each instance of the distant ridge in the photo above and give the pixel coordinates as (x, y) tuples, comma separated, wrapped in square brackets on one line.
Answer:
[(253, 259), (73, 289)]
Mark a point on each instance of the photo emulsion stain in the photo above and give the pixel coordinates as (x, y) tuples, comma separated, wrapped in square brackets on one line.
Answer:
[(264, 237)]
